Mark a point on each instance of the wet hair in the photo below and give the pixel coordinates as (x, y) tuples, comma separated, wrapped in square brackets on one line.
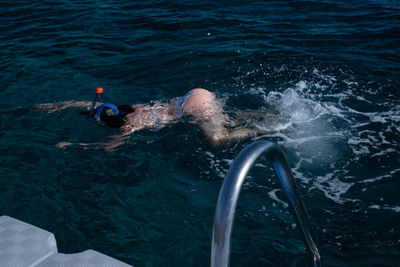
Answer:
[(108, 115)]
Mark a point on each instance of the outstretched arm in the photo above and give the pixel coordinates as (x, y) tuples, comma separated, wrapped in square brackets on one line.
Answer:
[(111, 145), (52, 107), (116, 141)]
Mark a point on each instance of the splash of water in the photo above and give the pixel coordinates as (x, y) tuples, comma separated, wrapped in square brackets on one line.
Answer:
[(327, 122)]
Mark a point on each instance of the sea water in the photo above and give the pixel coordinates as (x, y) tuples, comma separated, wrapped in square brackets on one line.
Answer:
[(328, 70)]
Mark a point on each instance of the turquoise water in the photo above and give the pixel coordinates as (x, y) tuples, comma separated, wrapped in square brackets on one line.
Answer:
[(329, 70)]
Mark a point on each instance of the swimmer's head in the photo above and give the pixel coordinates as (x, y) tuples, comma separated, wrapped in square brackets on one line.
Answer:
[(113, 116)]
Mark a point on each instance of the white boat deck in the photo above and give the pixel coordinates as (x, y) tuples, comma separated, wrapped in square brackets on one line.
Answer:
[(23, 245)]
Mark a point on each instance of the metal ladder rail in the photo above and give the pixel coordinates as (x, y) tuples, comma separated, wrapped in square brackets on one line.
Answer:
[(229, 194)]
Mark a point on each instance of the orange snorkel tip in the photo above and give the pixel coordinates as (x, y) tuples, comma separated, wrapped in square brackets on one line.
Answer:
[(99, 91)]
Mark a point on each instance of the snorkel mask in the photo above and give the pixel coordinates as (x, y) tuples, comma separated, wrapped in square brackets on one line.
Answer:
[(95, 113), (106, 105), (109, 114)]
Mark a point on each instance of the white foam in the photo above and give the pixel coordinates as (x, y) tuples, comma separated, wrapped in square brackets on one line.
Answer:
[(293, 107), (384, 141), (381, 177), (221, 166), (333, 188), (273, 196), (383, 152), (350, 83), (334, 111), (260, 91), (322, 76), (385, 207)]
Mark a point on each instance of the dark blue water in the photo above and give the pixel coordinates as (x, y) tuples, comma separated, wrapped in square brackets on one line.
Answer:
[(329, 69)]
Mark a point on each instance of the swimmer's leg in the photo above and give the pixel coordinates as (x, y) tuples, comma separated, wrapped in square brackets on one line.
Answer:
[(216, 131), (213, 121), (221, 128), (224, 136), (262, 120)]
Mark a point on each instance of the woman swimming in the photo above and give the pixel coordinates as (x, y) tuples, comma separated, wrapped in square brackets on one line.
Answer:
[(198, 104)]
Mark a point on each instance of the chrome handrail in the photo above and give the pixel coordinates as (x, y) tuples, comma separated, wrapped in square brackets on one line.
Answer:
[(229, 194)]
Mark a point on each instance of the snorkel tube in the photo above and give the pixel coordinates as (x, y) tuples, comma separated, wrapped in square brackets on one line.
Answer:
[(99, 91)]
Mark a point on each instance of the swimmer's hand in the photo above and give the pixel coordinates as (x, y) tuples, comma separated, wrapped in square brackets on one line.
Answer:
[(63, 144)]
